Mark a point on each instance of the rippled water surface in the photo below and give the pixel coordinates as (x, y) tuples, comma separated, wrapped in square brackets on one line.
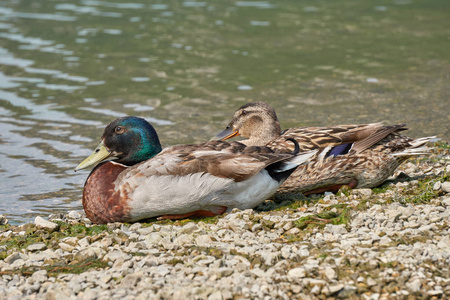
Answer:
[(67, 68)]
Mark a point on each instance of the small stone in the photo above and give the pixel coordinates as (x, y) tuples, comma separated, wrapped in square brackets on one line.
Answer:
[(363, 192), (257, 227), (12, 258), (3, 220), (84, 242), (18, 263), (385, 241), (347, 291), (433, 293), (288, 226), (222, 272), (297, 273), (217, 295), (73, 215), (39, 276), (85, 254), (335, 288), (162, 270), (189, 228), (446, 201), (371, 282), (71, 240), (330, 273), (444, 243), (115, 255), (130, 281), (446, 186), (44, 224), (66, 247), (414, 285), (335, 229), (36, 247), (203, 241), (135, 227), (437, 186), (293, 231)]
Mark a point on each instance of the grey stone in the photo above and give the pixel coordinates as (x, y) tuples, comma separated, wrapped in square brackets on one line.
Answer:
[(297, 273), (89, 253), (44, 224), (222, 272), (434, 293), (330, 273), (363, 192), (130, 281), (335, 288), (135, 227), (3, 220), (414, 285), (371, 282), (73, 215), (189, 228), (347, 291), (84, 242), (203, 241), (36, 247), (12, 257), (66, 247), (437, 186), (217, 295), (446, 187), (115, 255), (335, 229), (39, 276)]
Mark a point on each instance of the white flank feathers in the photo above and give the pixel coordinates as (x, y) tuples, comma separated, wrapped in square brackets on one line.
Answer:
[(296, 161)]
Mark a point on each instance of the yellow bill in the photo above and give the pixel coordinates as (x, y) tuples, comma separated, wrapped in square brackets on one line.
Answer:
[(100, 154)]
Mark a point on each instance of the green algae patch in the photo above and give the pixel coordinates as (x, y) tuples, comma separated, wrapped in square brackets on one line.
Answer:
[(23, 236), (60, 267), (340, 216), (80, 229)]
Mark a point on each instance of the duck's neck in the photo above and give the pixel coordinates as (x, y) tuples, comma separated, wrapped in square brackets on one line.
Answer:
[(262, 135)]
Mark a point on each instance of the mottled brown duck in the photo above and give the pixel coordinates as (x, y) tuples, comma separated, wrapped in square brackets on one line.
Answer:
[(361, 156)]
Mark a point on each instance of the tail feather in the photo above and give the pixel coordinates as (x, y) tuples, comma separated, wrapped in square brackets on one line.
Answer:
[(296, 161), (418, 147), (281, 170)]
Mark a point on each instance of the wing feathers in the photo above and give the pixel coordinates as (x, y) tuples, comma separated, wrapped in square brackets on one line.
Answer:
[(221, 159)]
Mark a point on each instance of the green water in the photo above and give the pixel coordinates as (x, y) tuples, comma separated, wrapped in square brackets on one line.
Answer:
[(67, 68)]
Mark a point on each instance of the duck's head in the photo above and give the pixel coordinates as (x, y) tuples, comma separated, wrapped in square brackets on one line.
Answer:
[(126, 140), (256, 121)]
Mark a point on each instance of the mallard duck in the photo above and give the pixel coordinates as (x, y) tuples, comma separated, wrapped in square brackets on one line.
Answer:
[(361, 156), (131, 181)]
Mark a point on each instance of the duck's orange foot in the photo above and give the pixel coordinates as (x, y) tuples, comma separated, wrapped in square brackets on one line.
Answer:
[(332, 188), (218, 210)]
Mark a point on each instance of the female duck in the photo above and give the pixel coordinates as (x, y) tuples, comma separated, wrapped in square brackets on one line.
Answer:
[(355, 155), (132, 181)]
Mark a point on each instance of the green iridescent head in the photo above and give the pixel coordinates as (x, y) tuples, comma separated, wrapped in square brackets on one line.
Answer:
[(127, 140)]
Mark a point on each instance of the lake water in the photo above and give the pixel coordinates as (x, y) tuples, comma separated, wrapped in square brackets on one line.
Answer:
[(67, 68)]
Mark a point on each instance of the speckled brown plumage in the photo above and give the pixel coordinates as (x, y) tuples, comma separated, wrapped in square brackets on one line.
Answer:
[(376, 150)]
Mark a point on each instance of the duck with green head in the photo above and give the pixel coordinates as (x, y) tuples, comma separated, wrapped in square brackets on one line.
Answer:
[(133, 179)]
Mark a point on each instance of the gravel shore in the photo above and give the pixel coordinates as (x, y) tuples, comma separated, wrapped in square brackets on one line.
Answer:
[(392, 242)]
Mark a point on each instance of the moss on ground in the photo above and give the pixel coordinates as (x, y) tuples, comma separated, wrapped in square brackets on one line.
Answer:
[(60, 267)]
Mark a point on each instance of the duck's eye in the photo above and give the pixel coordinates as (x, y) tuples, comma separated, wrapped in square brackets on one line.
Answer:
[(119, 130), (244, 112)]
